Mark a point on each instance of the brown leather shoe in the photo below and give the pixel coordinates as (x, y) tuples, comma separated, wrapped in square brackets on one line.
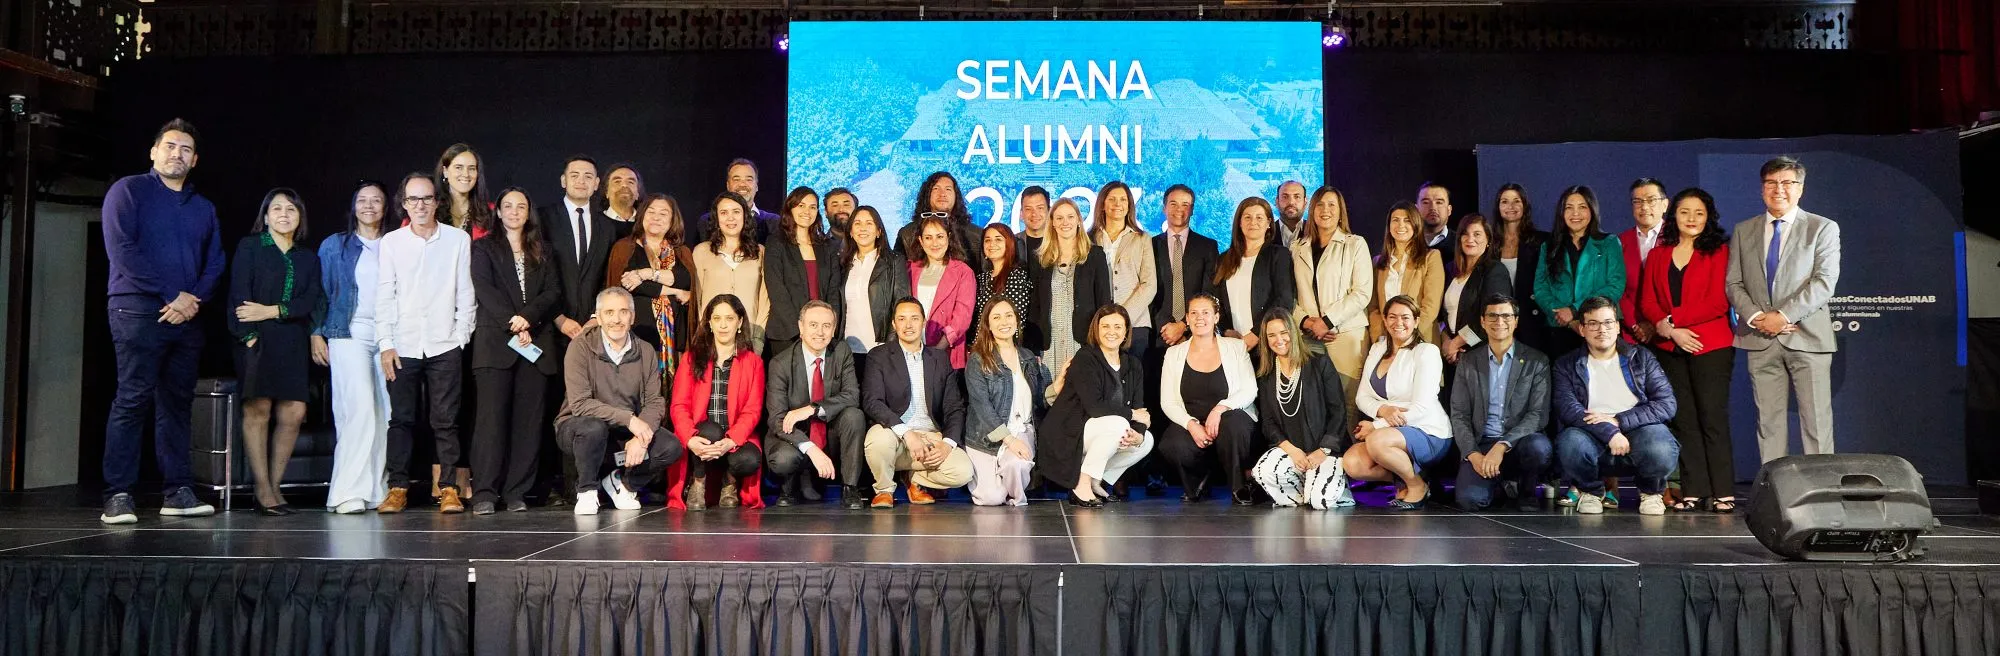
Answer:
[(918, 497), (448, 502), (394, 503), (727, 497), (883, 500), (697, 494)]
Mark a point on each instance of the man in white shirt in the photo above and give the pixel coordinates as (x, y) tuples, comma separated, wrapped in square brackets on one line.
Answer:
[(812, 406), (1291, 211), (1612, 402), (1434, 203), (423, 320), (1649, 216), (914, 400), (1782, 270)]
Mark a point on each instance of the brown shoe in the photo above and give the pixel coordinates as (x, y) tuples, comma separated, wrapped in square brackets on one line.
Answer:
[(397, 499), (727, 497), (697, 493), (883, 500), (448, 503), (918, 497)]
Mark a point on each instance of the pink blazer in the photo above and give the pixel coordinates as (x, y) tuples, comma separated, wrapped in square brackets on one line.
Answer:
[(950, 317)]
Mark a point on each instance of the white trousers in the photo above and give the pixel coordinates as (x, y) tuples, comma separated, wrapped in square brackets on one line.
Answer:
[(1324, 486), (1001, 478), (1103, 458), (360, 423)]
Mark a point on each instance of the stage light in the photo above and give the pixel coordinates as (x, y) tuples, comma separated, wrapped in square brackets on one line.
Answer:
[(1335, 36), (783, 42)]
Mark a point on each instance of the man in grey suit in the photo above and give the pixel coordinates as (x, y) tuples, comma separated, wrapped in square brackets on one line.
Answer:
[(812, 404), (1499, 404), (1782, 270)]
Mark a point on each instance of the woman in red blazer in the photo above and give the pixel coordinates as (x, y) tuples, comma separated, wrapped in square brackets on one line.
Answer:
[(1683, 300), (719, 430), (943, 283)]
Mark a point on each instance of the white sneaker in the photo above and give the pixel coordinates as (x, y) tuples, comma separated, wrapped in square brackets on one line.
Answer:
[(1652, 504), (622, 498), (350, 507), (1590, 504), (586, 503)]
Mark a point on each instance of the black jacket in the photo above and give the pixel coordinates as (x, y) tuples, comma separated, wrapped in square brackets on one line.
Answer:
[(1321, 410), (1271, 285), (888, 280), (785, 277), (1093, 290), (1532, 328), (1525, 410), (1197, 272), (498, 292), (788, 385), (1487, 279), (887, 393), (580, 281), (1091, 389)]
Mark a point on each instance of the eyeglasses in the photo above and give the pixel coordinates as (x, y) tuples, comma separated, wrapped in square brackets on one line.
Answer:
[(1641, 202), (420, 200), (1788, 184), (934, 215), (1601, 325), (1490, 316)]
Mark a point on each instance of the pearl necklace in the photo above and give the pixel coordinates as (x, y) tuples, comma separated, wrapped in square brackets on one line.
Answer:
[(1288, 394)]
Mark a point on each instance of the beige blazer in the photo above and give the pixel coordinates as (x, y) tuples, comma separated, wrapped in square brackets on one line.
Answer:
[(1338, 291), (1424, 282)]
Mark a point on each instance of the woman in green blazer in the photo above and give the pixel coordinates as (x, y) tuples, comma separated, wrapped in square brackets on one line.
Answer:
[(1578, 261)]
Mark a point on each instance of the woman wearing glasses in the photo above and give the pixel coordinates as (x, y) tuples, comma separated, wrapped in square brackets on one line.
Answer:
[(1403, 427), (940, 198), (1579, 262), (944, 284)]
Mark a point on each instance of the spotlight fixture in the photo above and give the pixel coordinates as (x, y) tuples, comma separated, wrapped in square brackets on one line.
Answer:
[(783, 43), (1334, 36)]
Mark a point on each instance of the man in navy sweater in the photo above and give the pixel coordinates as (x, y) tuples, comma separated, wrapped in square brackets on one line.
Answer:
[(166, 258)]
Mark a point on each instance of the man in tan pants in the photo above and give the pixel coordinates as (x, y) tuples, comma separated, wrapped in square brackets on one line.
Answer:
[(912, 398)]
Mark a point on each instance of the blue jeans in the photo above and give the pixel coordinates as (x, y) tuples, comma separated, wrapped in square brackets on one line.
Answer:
[(156, 376), (1585, 461), (1525, 463)]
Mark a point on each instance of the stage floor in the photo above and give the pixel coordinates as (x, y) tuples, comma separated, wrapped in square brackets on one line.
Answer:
[(1145, 531)]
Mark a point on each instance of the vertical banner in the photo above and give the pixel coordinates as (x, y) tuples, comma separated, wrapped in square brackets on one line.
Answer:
[(1899, 376), (1231, 109)]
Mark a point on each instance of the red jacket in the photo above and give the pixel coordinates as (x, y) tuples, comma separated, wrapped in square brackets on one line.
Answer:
[(1704, 307), (690, 408), (1635, 276)]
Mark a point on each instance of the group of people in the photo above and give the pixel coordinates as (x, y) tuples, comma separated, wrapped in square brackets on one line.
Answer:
[(810, 346)]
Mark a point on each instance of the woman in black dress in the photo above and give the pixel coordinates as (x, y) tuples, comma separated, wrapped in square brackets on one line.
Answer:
[(274, 288), (1096, 429)]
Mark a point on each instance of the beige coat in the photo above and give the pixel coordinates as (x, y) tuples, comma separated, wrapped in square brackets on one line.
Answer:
[(1423, 282), (1337, 290)]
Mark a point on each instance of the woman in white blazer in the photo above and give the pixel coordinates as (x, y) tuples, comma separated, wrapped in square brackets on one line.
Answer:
[(1335, 281), (1208, 392), (1403, 427)]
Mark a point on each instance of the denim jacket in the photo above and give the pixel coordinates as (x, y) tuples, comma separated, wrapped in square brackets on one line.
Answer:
[(338, 255)]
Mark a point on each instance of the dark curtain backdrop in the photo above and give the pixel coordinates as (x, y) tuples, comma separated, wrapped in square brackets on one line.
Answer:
[(1471, 611), (1824, 610), (721, 608), (1951, 67), (92, 606)]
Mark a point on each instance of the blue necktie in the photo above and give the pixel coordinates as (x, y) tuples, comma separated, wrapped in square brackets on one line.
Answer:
[(1771, 257)]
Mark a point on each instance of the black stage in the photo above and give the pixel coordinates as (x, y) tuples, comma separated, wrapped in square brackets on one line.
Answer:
[(1148, 577)]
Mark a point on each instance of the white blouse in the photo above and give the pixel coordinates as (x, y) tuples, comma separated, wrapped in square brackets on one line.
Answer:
[(860, 317), (1242, 317)]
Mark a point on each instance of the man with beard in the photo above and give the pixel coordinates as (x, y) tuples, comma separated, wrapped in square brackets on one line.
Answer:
[(840, 204), (1291, 211), (1434, 202), (622, 190), (1034, 208), (740, 179)]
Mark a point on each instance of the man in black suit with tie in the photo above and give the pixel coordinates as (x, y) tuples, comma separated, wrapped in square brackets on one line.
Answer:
[(740, 179), (811, 406), (915, 402), (1185, 261), (581, 235)]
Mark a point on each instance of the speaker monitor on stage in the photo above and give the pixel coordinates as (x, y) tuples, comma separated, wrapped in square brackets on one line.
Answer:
[(1841, 507)]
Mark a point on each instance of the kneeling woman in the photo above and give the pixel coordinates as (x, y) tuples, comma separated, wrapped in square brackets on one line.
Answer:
[(1004, 381), (719, 428), (1399, 389), (1300, 399), (1208, 391), (1096, 429)]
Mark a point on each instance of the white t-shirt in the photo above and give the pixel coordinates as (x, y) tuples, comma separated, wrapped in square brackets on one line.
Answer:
[(860, 317), (1608, 393), (367, 274)]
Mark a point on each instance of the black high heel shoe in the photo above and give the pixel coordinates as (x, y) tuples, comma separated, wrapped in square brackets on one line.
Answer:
[(271, 511), (1410, 506), (1074, 502)]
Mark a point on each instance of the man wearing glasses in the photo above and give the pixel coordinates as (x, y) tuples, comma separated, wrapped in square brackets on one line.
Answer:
[(1499, 404), (1612, 402), (1649, 214), (423, 320), (1782, 270)]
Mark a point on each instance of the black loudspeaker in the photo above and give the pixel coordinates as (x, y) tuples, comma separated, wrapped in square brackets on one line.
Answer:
[(1839, 507)]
